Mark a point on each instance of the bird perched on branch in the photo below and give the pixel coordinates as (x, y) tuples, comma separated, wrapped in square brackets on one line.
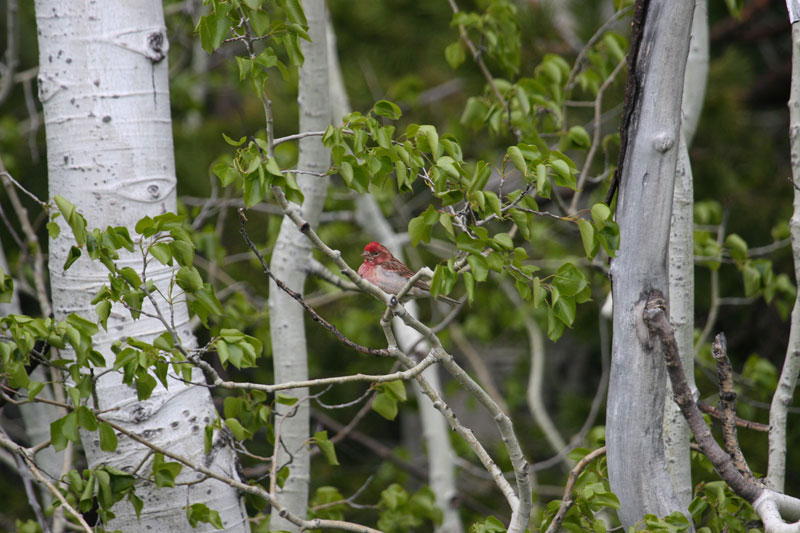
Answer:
[(383, 269)]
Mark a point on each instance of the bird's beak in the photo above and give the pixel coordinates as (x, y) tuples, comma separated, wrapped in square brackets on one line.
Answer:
[(364, 254)]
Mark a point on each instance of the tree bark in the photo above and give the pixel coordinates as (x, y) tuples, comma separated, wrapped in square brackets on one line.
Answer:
[(290, 258), (103, 83), (776, 470), (681, 256), (636, 462)]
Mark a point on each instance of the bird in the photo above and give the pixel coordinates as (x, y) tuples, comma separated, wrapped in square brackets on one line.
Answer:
[(383, 269)]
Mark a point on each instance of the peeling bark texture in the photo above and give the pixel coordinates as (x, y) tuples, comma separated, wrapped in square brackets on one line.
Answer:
[(103, 83), (636, 462), (291, 254), (776, 471), (681, 256)]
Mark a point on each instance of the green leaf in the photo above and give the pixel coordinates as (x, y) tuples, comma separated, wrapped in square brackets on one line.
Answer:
[(427, 135), (393, 496), (447, 223), (164, 342), (515, 154), (504, 240), (454, 54), (578, 136), (53, 230), (326, 447), (490, 525), (86, 418), (478, 266), (563, 173), (493, 202), (199, 512), (58, 436), (162, 252), (555, 327), (752, 279), (396, 388), (737, 246), (7, 286), (78, 225), (385, 405), (587, 237), (72, 256), (468, 244), (294, 10), (213, 29), (569, 280), (164, 473), (346, 171), (252, 190), (474, 112), (419, 230), (283, 473), (239, 431), (189, 279), (86, 327), (145, 384), (108, 438), (469, 283), (600, 214), (387, 109), (234, 142), (131, 276), (285, 399), (564, 309)]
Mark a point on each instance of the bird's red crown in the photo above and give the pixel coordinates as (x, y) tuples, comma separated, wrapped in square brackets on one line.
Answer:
[(373, 247)]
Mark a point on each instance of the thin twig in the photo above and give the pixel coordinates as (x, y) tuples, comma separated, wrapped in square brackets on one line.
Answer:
[(741, 422)]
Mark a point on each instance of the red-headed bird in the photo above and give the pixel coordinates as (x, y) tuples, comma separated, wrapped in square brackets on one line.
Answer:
[(383, 269)]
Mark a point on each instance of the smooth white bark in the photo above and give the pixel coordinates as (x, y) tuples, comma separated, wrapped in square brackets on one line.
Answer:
[(291, 255), (681, 256), (103, 83), (636, 463), (776, 470)]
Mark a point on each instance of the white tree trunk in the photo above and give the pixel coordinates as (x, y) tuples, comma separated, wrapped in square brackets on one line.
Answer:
[(104, 87), (636, 463), (681, 257), (776, 471), (290, 258)]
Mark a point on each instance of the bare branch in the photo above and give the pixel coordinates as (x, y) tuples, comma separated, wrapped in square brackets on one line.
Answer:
[(727, 405)]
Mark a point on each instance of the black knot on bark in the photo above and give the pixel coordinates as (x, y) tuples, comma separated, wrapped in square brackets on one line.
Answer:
[(305, 227), (156, 43)]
